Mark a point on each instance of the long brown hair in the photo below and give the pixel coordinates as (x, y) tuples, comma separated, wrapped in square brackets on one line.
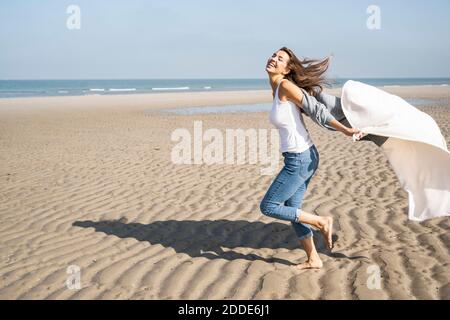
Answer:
[(307, 73)]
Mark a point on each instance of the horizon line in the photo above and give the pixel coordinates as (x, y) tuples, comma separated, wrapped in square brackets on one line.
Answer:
[(77, 79)]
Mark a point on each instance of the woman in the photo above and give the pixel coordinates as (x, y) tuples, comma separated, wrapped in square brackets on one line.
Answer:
[(293, 83)]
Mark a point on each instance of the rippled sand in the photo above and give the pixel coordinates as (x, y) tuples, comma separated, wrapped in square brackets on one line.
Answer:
[(88, 181)]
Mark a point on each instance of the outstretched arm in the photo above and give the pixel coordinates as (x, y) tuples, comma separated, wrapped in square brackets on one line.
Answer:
[(345, 130), (316, 110)]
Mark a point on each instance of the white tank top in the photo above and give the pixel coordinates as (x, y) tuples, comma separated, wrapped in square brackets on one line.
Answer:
[(287, 118)]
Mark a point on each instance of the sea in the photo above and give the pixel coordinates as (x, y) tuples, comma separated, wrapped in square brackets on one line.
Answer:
[(42, 88)]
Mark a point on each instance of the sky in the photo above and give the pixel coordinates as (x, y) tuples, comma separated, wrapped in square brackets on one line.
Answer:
[(179, 39)]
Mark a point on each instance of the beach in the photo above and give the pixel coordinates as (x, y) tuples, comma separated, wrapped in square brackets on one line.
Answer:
[(89, 192)]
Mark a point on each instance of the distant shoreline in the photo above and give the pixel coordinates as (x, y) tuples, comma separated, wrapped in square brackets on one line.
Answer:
[(62, 88), (162, 100), (135, 93)]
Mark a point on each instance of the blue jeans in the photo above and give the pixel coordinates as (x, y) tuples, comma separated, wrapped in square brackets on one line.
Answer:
[(285, 195)]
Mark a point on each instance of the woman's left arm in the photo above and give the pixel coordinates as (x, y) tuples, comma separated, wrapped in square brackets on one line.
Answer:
[(297, 96), (345, 130)]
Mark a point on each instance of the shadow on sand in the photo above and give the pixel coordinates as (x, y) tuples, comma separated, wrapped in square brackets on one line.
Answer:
[(206, 238)]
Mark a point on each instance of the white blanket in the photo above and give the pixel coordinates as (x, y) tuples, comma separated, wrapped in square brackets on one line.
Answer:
[(416, 149)]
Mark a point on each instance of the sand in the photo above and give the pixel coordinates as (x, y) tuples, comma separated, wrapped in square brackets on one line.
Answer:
[(89, 182)]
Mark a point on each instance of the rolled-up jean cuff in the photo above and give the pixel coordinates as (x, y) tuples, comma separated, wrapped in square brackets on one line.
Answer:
[(306, 236)]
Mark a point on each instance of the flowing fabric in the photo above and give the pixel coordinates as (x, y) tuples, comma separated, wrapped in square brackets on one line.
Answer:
[(416, 149)]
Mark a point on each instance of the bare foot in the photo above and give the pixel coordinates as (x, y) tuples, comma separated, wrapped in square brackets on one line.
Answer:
[(310, 264), (327, 231)]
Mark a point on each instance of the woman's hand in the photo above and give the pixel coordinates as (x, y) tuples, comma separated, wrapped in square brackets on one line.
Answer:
[(346, 130), (351, 131), (355, 133)]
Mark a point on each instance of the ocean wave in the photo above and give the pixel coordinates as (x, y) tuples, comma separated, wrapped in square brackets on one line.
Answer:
[(173, 88), (95, 90), (119, 89), (207, 88)]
